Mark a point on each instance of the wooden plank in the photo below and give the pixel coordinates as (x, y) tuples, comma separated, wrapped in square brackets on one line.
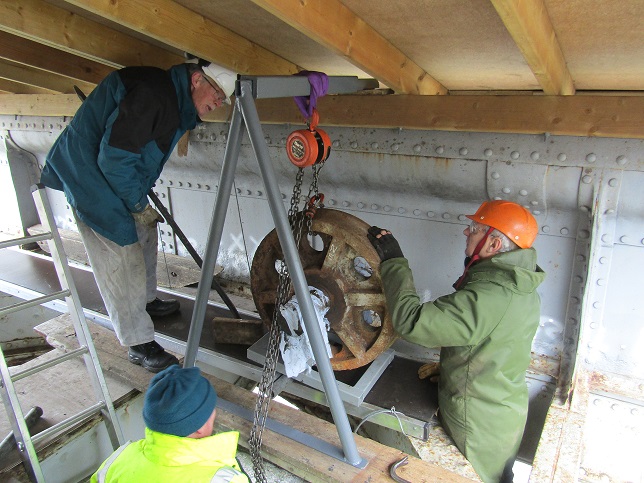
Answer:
[(529, 24), (41, 79), (286, 453), (333, 25), (18, 88), (27, 52), (183, 29), (45, 23), (598, 116)]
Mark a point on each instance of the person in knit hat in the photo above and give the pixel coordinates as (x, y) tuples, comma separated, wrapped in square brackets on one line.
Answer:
[(179, 413)]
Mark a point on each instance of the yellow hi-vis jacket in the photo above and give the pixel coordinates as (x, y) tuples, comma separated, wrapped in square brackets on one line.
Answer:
[(164, 457)]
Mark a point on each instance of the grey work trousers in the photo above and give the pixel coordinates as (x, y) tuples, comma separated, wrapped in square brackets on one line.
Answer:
[(127, 280)]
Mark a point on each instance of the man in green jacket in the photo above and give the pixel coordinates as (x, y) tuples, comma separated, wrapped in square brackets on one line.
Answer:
[(179, 414), (485, 331)]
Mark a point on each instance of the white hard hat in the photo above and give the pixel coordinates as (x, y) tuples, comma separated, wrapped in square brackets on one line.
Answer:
[(223, 77)]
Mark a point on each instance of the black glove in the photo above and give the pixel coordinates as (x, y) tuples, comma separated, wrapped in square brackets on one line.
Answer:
[(386, 245)]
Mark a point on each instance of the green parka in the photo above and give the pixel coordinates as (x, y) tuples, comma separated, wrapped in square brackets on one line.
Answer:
[(485, 331)]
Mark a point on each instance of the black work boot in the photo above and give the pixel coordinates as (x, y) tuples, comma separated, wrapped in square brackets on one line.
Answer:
[(159, 308), (151, 356)]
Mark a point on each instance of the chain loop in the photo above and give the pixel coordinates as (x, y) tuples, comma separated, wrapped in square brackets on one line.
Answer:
[(265, 387)]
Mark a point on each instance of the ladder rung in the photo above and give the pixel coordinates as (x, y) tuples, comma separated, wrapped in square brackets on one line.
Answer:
[(25, 239), (50, 363), (31, 303), (71, 421)]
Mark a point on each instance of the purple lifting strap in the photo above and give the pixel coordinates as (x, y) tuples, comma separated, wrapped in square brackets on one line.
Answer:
[(319, 85)]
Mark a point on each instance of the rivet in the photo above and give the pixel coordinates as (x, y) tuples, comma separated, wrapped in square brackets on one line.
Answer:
[(446, 216), (374, 145), (170, 183), (416, 212), (523, 192), (561, 157), (207, 186), (581, 258), (612, 182), (536, 212), (268, 140), (395, 146), (361, 205), (331, 202), (587, 179), (213, 137), (200, 136), (224, 137), (488, 152), (283, 141), (162, 232), (606, 238), (462, 217), (609, 211), (591, 157), (506, 190), (402, 210), (345, 204), (374, 206), (440, 149), (564, 231), (593, 325), (239, 192), (601, 282), (354, 144), (495, 175), (189, 185), (603, 260), (431, 214), (642, 241), (634, 412), (578, 279), (574, 300), (160, 181), (597, 305), (514, 154), (417, 148), (614, 407), (248, 192), (336, 144), (162, 195), (462, 151), (198, 185), (259, 193), (584, 208), (534, 155), (498, 198), (534, 203), (622, 160), (624, 239), (386, 208), (584, 234), (180, 183)]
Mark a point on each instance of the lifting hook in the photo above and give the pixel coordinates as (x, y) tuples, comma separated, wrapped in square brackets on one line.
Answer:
[(395, 466)]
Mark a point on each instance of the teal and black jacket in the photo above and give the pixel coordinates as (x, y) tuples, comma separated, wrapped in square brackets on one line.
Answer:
[(485, 331), (112, 152)]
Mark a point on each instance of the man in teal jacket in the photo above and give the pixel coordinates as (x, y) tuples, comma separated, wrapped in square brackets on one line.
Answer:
[(485, 331), (179, 413), (106, 161)]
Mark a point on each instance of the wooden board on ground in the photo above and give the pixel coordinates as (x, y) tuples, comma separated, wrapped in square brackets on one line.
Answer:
[(286, 453)]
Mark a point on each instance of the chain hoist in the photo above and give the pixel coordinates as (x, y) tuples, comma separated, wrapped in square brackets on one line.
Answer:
[(297, 220)]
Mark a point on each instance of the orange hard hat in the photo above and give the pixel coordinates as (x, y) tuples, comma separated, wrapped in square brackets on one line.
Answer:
[(511, 219)]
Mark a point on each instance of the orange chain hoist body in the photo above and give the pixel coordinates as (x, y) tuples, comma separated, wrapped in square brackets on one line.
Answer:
[(305, 147)]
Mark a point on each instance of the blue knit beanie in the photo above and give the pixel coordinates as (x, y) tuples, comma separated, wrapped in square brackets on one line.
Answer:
[(178, 401)]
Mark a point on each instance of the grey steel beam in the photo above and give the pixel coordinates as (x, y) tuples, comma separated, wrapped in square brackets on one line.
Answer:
[(271, 87)]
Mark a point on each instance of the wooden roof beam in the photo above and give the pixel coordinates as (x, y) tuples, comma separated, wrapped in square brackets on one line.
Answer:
[(185, 30), (50, 25), (599, 116), (27, 52), (41, 79), (334, 26), (529, 24)]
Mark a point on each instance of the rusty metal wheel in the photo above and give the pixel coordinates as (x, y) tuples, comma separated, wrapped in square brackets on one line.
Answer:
[(341, 262)]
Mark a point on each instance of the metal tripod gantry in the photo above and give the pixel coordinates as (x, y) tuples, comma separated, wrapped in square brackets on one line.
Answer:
[(248, 89)]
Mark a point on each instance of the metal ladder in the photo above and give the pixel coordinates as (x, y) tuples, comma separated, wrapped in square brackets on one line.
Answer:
[(87, 350)]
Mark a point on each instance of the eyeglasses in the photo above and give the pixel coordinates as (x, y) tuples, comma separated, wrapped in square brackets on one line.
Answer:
[(221, 96)]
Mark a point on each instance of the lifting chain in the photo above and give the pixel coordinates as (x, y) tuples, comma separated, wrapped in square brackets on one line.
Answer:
[(265, 387)]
